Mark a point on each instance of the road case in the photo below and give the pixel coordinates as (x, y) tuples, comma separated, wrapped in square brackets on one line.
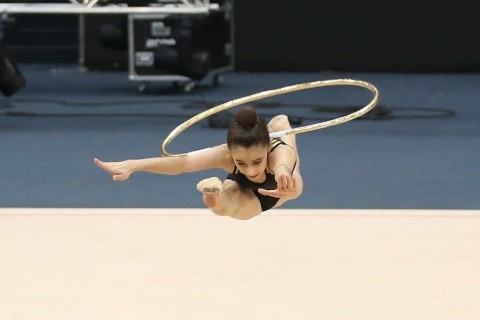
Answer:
[(181, 49)]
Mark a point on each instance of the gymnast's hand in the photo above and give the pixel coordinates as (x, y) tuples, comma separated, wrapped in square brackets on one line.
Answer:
[(118, 170), (286, 184)]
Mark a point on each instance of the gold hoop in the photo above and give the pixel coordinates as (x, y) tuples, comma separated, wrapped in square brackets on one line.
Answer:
[(275, 92)]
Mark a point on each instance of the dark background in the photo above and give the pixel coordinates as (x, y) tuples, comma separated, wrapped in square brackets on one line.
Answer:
[(289, 35)]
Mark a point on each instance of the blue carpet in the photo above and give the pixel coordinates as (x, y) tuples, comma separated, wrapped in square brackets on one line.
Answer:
[(419, 149)]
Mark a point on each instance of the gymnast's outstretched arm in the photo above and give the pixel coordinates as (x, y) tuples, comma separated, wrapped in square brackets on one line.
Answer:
[(214, 157)]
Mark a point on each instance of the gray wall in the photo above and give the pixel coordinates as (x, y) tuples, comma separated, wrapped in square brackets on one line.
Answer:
[(408, 35)]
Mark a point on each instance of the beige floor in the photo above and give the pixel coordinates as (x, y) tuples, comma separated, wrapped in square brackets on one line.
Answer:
[(176, 264)]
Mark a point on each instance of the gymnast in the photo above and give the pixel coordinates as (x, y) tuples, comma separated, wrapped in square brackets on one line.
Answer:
[(263, 173)]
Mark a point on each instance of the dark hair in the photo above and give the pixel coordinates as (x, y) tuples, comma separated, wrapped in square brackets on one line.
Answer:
[(247, 129)]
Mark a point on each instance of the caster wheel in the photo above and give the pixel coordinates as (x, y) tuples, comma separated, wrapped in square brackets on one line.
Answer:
[(142, 87), (217, 80), (187, 87)]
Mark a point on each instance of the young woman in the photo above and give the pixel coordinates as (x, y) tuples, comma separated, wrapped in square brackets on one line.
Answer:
[(263, 173)]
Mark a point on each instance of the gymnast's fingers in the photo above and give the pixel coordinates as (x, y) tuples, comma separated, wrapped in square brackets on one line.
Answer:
[(278, 193), (106, 166), (118, 173), (285, 182), (103, 165), (120, 177), (270, 193)]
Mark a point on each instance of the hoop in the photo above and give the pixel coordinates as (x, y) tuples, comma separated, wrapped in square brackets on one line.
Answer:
[(276, 92)]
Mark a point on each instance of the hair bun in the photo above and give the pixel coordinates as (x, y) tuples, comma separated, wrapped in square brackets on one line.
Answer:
[(246, 117)]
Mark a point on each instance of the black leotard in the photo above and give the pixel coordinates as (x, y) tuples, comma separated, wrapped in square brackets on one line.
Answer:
[(266, 202)]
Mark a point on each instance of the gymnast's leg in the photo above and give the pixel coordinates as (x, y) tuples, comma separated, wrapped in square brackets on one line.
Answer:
[(228, 199), (281, 123)]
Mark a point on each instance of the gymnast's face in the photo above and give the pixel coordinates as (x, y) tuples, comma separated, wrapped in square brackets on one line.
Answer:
[(251, 161)]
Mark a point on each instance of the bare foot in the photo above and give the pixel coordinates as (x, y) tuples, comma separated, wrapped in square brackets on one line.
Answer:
[(211, 185)]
